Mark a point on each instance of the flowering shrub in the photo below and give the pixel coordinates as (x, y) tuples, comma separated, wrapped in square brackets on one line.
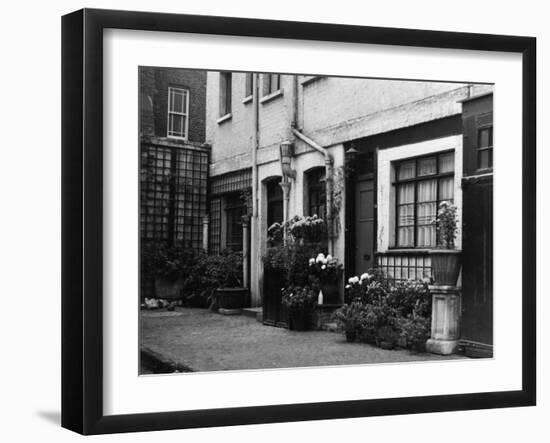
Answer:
[(311, 229), (297, 298), (446, 223), (325, 269), (389, 310)]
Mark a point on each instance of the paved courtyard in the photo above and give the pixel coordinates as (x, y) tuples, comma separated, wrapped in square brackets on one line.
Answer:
[(201, 340)]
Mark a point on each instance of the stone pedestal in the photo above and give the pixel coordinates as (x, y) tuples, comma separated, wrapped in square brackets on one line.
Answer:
[(446, 307)]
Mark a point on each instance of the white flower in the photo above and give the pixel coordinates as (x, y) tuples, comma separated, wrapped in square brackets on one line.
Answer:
[(329, 257), (324, 261), (348, 286), (320, 257), (365, 276), (311, 261), (353, 280), (324, 267)]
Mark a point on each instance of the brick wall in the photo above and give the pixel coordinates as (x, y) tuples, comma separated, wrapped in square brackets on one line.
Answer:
[(154, 83)]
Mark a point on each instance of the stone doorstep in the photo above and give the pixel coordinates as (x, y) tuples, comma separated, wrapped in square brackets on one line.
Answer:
[(229, 311), (256, 313)]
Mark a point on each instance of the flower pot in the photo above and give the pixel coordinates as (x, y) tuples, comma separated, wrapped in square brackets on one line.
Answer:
[(351, 335), (168, 288), (231, 298), (298, 321), (445, 266)]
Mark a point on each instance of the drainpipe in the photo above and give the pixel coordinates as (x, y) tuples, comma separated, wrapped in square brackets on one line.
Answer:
[(255, 246), (255, 144), (329, 173)]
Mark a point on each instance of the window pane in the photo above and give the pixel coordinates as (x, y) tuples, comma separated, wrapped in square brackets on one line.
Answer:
[(405, 237), (447, 163), (446, 188), (406, 170), (425, 236), (484, 137), (405, 215), (427, 166), (405, 193), (425, 213), (427, 191), (248, 85), (176, 125)]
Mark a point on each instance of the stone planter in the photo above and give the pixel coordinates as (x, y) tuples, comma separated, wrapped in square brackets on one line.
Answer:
[(168, 288), (445, 266), (231, 298), (446, 308)]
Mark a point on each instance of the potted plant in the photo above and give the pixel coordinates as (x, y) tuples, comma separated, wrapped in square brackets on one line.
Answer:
[(226, 268), (325, 271), (169, 266), (446, 259), (350, 319), (300, 302)]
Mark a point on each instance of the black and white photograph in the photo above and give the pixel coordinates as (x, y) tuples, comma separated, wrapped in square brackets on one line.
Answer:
[(291, 220)]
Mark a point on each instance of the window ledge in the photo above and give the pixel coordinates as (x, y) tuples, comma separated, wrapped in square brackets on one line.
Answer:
[(313, 78), (248, 99), (272, 96), (224, 118)]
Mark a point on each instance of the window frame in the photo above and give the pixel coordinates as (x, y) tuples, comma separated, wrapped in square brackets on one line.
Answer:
[(416, 179), (315, 186), (184, 114), (225, 94), (248, 86), (267, 84), (488, 148)]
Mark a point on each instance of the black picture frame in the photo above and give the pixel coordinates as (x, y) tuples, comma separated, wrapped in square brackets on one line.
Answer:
[(82, 215)]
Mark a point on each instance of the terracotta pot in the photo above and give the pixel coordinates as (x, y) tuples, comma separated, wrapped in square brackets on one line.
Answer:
[(231, 298), (445, 266)]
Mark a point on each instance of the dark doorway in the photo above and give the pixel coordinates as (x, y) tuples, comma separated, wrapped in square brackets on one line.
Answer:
[(364, 226)]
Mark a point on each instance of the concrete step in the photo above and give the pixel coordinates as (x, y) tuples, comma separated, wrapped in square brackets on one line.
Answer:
[(253, 312)]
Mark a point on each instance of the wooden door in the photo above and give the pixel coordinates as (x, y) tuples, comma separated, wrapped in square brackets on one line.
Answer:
[(364, 226)]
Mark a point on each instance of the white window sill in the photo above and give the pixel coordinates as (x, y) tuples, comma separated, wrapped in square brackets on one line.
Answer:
[(248, 99), (272, 96), (224, 118), (175, 137)]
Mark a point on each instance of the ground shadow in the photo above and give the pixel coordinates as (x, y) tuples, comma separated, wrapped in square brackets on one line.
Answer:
[(53, 417)]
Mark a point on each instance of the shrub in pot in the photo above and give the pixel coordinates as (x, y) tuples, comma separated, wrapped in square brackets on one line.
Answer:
[(350, 319), (300, 302), (169, 266), (226, 269), (446, 260)]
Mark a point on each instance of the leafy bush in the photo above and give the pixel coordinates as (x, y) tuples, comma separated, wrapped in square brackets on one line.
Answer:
[(209, 273), (446, 223), (171, 262), (297, 298), (350, 316), (391, 309)]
